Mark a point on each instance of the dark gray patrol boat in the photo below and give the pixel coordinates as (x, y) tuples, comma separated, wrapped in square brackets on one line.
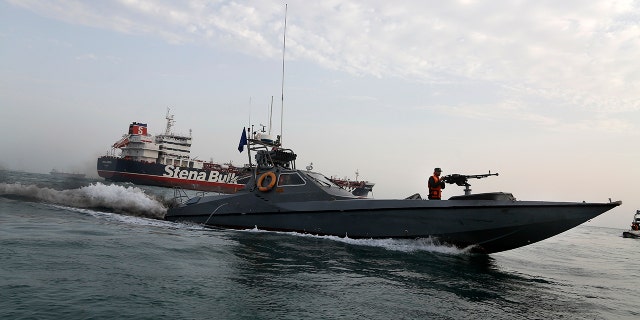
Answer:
[(278, 197)]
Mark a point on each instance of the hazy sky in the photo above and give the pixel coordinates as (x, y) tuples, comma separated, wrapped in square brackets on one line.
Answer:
[(547, 93)]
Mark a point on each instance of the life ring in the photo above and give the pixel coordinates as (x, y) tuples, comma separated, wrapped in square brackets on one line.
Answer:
[(270, 185)]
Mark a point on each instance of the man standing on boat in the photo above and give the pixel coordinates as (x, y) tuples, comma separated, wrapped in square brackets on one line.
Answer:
[(435, 185)]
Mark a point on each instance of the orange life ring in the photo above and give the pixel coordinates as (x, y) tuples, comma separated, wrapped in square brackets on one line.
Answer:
[(270, 185)]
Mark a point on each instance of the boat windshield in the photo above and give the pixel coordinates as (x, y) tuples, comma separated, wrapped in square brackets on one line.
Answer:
[(320, 179), (290, 179)]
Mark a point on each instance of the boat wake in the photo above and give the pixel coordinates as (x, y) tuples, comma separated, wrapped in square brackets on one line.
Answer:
[(121, 218), (400, 245), (110, 198), (409, 245)]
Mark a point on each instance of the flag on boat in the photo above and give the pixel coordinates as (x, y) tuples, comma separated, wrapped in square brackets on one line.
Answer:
[(243, 140)]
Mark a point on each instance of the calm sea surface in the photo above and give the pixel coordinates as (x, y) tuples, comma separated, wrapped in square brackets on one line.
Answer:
[(79, 249)]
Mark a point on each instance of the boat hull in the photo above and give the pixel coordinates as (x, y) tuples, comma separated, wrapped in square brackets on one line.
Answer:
[(154, 174), (484, 226), (631, 234)]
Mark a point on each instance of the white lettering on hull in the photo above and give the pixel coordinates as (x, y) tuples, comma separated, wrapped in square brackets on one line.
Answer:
[(186, 174), (168, 171)]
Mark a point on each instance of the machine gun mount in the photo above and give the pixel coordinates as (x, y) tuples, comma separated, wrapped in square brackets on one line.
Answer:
[(462, 180)]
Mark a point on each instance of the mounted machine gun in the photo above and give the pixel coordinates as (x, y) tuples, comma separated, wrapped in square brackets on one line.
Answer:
[(462, 180)]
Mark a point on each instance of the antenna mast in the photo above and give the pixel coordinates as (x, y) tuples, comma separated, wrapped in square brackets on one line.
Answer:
[(270, 114), (284, 45), (170, 122), (248, 133)]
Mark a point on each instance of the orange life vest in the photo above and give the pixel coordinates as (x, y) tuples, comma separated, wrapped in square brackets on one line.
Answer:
[(435, 192)]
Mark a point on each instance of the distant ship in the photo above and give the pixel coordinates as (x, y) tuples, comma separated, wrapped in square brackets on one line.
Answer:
[(359, 188), (60, 174), (164, 160), (634, 232)]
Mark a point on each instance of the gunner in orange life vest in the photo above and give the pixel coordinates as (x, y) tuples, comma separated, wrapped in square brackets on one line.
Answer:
[(435, 185)]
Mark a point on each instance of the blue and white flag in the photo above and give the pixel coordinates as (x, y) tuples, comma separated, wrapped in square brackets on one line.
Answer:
[(243, 140)]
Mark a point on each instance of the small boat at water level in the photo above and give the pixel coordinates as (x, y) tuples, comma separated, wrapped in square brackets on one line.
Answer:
[(634, 232), (278, 197)]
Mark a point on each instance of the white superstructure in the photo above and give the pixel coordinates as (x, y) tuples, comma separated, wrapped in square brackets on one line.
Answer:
[(167, 148)]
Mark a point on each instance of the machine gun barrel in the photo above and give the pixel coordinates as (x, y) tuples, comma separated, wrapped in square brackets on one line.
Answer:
[(462, 179), (480, 176)]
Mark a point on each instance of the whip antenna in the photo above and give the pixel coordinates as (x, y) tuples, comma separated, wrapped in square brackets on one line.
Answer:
[(249, 111), (270, 114), (284, 45)]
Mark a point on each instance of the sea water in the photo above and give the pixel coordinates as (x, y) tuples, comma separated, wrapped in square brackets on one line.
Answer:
[(85, 249)]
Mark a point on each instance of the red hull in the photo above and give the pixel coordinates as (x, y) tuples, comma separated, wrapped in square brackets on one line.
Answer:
[(153, 174)]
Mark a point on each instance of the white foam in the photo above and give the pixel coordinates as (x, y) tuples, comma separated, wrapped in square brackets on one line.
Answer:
[(115, 198), (403, 245), (110, 216)]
